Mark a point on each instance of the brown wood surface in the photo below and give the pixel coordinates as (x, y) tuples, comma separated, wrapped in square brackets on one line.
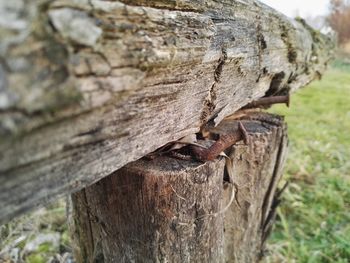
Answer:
[(89, 86), (256, 169), (153, 211), (170, 210)]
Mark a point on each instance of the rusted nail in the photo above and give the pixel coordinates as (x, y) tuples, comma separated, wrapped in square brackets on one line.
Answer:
[(225, 141), (268, 101)]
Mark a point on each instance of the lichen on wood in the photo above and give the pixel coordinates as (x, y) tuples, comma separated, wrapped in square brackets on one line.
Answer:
[(89, 86)]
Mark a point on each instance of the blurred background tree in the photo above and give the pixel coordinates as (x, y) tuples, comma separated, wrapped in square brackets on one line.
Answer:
[(339, 20)]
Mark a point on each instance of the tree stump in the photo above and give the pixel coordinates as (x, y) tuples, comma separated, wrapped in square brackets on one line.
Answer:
[(163, 210), (170, 210), (255, 170)]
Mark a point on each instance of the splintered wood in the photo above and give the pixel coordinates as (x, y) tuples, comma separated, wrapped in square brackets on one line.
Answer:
[(87, 87), (171, 210)]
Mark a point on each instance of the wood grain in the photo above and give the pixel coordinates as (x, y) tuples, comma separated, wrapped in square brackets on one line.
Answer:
[(152, 211), (89, 86), (170, 210)]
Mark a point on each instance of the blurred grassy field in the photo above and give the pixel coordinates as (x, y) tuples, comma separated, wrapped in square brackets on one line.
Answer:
[(314, 219)]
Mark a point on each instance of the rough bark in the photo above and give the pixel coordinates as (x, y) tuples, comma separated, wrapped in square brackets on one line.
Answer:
[(255, 169), (89, 86), (153, 211), (169, 210)]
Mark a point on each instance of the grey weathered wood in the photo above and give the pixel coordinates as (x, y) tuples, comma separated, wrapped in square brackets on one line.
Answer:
[(256, 170), (89, 86), (160, 210), (169, 210)]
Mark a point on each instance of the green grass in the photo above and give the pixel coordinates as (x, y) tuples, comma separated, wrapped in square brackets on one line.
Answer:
[(313, 222)]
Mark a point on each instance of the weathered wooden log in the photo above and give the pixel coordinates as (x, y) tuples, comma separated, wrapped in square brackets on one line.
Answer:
[(89, 86), (255, 170), (170, 210), (164, 210)]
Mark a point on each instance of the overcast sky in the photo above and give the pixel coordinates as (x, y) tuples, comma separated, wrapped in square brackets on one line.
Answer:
[(301, 7)]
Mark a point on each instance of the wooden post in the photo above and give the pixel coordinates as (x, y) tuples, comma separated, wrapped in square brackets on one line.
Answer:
[(169, 210), (161, 210), (255, 170)]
